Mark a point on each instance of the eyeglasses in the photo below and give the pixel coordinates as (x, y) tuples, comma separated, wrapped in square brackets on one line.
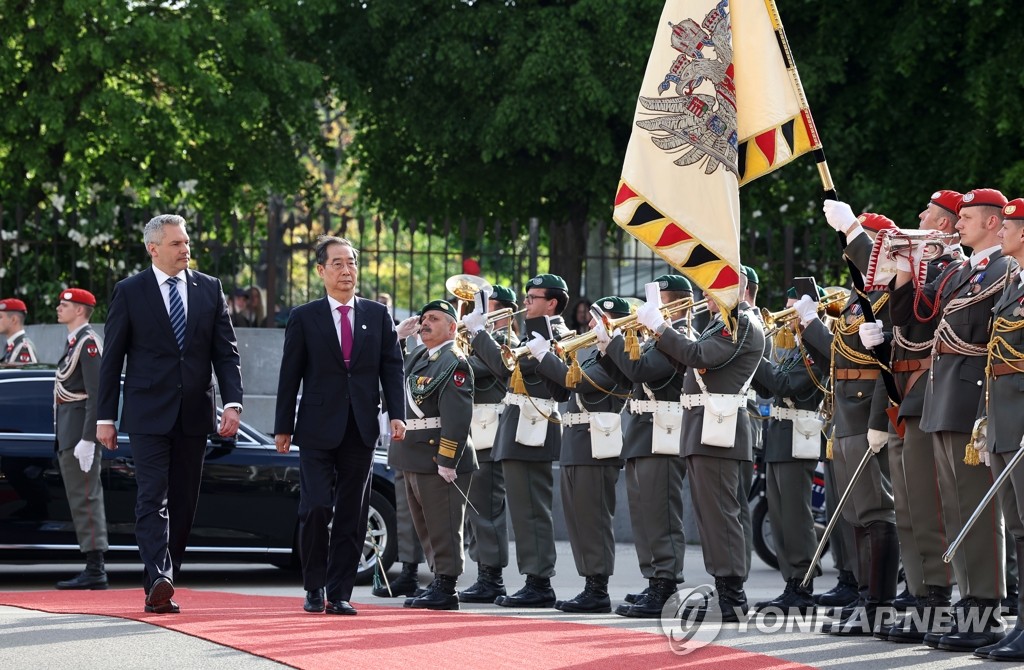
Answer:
[(530, 297), (338, 265)]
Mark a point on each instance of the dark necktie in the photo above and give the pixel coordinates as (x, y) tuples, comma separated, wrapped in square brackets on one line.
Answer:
[(346, 334), (177, 312)]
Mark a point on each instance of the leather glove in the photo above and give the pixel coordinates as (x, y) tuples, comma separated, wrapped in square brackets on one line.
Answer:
[(877, 439), (807, 309), (538, 345), (408, 327), (871, 334), (474, 321), (649, 315), (447, 474), (839, 215), (85, 452)]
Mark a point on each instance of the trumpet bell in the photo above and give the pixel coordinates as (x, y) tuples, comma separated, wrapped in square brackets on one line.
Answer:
[(465, 287), (905, 242)]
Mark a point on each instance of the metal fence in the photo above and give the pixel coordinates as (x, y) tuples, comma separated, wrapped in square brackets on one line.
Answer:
[(44, 251)]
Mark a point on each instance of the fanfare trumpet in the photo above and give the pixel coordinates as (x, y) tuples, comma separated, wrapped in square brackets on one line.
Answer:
[(830, 304), (904, 242), (510, 357), (492, 318)]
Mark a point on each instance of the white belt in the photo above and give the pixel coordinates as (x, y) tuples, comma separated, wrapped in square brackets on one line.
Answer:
[(546, 405), (691, 400), (423, 424), (575, 418), (752, 395), (495, 406), (790, 413), (653, 406)]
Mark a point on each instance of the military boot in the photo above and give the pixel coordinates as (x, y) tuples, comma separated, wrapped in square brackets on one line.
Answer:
[(979, 624), (732, 602), (853, 614), (932, 614), (536, 593), (1011, 647), (94, 576), (489, 585), (884, 566), (440, 595), (406, 585), (651, 605), (795, 599), (593, 599), (842, 594)]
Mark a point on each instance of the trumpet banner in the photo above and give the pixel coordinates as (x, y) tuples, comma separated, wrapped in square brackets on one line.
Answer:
[(721, 104)]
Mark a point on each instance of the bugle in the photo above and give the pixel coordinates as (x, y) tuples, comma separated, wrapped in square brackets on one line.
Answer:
[(775, 321), (510, 357), (905, 242), (492, 317)]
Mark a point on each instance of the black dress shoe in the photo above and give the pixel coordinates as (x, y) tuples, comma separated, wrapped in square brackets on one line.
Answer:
[(158, 600), (314, 601), (536, 593), (170, 607), (340, 607)]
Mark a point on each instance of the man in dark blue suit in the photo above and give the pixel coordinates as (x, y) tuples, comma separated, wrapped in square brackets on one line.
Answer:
[(172, 326), (344, 351)]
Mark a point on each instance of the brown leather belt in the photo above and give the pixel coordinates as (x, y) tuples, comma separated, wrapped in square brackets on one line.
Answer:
[(911, 364), (1011, 368), (857, 373)]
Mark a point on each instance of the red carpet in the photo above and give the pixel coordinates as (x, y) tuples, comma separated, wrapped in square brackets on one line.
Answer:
[(276, 628)]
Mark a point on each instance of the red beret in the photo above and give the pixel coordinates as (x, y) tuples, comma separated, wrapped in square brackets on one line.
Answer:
[(875, 222), (13, 305), (947, 200), (79, 295), (982, 197), (1014, 210)]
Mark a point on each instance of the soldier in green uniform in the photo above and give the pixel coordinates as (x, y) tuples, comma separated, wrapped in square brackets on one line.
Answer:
[(528, 442), (75, 392), (487, 518), (654, 467), (437, 453), (797, 386), (20, 349), (590, 461)]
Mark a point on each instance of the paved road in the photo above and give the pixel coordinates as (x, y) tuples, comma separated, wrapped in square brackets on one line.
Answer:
[(36, 640)]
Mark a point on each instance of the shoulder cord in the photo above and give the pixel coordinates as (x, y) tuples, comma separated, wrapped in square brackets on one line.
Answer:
[(945, 333), (910, 345), (62, 375)]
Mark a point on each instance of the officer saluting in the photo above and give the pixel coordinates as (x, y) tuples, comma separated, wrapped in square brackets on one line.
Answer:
[(20, 349), (437, 453)]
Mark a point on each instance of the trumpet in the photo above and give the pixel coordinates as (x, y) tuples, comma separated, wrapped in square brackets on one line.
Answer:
[(830, 304), (906, 241), (669, 310), (493, 317), (510, 357)]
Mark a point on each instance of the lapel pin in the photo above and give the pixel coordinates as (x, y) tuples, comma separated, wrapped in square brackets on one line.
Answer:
[(364, 326)]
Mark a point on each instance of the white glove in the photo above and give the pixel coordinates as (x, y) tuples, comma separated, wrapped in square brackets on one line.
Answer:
[(877, 439), (408, 327), (474, 321), (908, 262), (447, 474), (602, 336), (807, 309), (538, 345), (980, 435), (839, 215), (649, 315), (85, 452), (871, 334)]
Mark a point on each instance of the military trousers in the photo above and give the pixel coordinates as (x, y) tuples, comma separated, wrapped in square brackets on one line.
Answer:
[(588, 502), (409, 549), (714, 486), (439, 514), (841, 542), (85, 499), (654, 488), (788, 489), (871, 497), (487, 526), (529, 490)]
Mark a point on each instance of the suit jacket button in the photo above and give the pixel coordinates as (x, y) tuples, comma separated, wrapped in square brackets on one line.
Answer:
[(979, 382), (430, 441)]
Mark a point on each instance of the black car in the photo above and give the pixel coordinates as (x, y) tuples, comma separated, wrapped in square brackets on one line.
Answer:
[(248, 502)]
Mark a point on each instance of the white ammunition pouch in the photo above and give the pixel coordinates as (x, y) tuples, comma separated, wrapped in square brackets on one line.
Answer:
[(605, 434), (667, 424), (485, 424), (807, 425), (532, 427), (721, 413)]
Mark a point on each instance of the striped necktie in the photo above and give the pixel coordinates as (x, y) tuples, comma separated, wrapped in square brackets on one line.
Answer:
[(177, 312)]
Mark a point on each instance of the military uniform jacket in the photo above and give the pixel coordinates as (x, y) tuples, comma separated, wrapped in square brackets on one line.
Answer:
[(913, 342), (505, 445), (590, 395), (489, 388), (725, 367), (954, 386), (790, 380), (664, 379), (78, 376), (1006, 392), (443, 384), (20, 350)]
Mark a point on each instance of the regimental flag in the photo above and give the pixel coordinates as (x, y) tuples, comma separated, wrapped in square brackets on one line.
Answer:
[(720, 105)]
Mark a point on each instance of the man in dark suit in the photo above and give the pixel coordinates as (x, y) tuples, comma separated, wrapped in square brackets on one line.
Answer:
[(344, 352), (172, 326)]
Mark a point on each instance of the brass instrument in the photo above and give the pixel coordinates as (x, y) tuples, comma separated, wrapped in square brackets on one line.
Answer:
[(465, 288), (776, 321), (906, 241), (510, 357), (670, 310), (493, 317)]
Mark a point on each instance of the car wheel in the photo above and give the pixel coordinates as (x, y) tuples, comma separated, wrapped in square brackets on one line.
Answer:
[(381, 538), (763, 542)]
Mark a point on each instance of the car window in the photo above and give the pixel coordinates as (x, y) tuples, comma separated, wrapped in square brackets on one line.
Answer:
[(26, 406)]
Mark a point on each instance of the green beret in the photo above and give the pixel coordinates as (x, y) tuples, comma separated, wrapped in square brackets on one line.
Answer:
[(750, 274), (791, 293), (504, 294), (548, 281), (613, 305), (440, 306), (673, 283)]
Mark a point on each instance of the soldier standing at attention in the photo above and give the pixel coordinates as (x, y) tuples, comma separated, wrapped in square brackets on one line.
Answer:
[(20, 349)]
